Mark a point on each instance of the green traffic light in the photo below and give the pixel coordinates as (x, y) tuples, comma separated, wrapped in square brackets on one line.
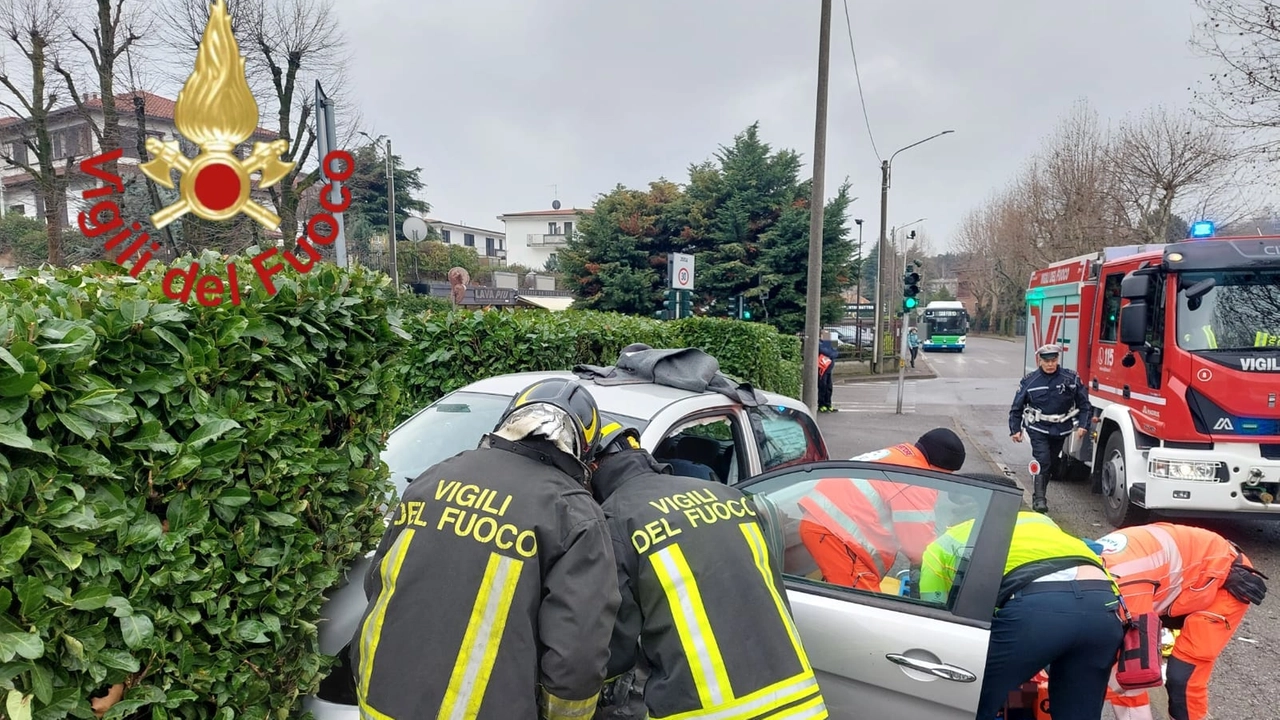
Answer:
[(910, 303)]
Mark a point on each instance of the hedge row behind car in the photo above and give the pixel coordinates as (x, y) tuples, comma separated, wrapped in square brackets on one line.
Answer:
[(180, 483)]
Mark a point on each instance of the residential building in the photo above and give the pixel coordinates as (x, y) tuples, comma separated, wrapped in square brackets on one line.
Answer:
[(73, 139), (536, 237), (490, 245)]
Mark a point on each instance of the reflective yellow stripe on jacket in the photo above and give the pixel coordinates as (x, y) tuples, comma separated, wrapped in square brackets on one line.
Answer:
[(794, 698), (474, 662)]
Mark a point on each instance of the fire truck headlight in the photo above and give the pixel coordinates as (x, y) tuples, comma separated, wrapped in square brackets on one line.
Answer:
[(1184, 470)]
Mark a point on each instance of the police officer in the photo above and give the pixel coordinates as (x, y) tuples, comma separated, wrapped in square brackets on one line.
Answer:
[(494, 591), (1051, 402), (702, 595)]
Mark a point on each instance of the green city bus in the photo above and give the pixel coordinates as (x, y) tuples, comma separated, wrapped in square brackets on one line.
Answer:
[(946, 324)]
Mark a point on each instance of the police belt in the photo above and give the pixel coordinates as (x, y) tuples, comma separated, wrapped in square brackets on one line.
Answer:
[(1031, 416)]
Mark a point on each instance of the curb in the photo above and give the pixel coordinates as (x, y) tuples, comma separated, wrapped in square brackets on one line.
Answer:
[(997, 337), (928, 374)]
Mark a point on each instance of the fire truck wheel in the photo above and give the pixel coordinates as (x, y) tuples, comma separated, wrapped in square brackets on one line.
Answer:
[(1115, 486)]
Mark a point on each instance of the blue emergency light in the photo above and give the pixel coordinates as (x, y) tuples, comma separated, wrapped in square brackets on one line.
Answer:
[(1202, 229)]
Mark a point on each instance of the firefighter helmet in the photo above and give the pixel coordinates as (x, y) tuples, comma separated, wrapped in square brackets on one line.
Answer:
[(558, 409), (616, 437)]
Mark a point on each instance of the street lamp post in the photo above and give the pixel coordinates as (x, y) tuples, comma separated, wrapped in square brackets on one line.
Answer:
[(885, 168), (858, 298)]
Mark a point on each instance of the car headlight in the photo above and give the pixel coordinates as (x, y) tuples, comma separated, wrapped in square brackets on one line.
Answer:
[(1184, 470)]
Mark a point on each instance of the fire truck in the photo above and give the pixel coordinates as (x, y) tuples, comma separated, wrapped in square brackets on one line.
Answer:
[(1179, 345)]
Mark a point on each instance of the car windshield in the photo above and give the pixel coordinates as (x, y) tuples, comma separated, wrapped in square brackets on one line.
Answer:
[(452, 424), (1240, 312)]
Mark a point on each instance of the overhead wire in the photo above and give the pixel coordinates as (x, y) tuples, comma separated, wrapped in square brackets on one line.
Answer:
[(849, 26)]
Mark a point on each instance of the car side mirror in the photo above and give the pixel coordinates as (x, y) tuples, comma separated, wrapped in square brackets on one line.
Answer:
[(1135, 286), (1133, 324)]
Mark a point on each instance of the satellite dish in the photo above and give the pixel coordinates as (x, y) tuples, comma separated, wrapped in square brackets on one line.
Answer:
[(555, 204), (415, 229)]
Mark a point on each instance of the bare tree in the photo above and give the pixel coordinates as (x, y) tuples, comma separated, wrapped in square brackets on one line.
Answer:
[(1164, 159), (1243, 36), (288, 45), (34, 27), (105, 41)]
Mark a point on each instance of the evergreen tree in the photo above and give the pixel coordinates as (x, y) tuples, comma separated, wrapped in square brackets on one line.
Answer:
[(368, 186)]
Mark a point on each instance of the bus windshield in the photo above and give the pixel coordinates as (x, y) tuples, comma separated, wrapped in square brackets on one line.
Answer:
[(947, 323), (1240, 312)]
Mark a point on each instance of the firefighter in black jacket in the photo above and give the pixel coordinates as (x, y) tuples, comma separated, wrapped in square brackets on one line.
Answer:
[(494, 591), (702, 595), (1051, 402)]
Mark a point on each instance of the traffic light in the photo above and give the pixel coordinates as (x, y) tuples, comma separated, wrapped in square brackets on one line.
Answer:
[(686, 303), (910, 289), (670, 306), (738, 308)]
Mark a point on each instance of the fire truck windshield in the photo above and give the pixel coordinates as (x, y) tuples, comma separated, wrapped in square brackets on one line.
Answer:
[(1240, 312)]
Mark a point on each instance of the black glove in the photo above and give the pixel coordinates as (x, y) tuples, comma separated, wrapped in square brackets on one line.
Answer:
[(1246, 584)]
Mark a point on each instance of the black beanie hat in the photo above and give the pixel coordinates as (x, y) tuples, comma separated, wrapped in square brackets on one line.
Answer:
[(942, 448)]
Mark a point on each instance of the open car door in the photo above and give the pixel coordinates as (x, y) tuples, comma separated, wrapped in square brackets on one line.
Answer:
[(880, 648)]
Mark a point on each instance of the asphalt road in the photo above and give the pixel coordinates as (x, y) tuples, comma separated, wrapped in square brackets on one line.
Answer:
[(972, 394)]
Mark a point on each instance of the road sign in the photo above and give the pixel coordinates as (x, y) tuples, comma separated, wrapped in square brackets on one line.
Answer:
[(681, 271)]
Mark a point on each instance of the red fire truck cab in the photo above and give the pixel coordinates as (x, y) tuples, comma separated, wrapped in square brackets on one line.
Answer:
[(1179, 345)]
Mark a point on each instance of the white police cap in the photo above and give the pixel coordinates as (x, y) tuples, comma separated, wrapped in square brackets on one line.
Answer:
[(1050, 349)]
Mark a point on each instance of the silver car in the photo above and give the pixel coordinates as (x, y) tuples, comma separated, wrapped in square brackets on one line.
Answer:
[(706, 435), (876, 654)]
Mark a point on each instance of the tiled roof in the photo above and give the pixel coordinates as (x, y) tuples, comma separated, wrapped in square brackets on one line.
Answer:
[(534, 213)]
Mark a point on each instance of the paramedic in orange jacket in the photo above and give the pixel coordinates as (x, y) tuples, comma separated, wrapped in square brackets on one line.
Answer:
[(854, 528), (1194, 578)]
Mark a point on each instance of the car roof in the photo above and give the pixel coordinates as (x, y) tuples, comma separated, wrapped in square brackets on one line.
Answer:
[(639, 400)]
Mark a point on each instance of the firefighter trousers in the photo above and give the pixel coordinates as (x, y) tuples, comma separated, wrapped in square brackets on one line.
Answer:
[(1204, 636)]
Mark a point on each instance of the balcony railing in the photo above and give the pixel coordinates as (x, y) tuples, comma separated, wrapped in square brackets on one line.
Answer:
[(547, 240)]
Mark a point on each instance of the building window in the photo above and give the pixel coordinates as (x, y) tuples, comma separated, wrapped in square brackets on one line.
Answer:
[(553, 228), (469, 240), (17, 210), (488, 246), (18, 151), (444, 234), (568, 229)]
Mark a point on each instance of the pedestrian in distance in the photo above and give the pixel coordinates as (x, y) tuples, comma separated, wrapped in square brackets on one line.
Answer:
[(493, 592), (854, 528), (828, 353), (1057, 608), (1051, 403), (913, 344), (703, 603), (1196, 581)]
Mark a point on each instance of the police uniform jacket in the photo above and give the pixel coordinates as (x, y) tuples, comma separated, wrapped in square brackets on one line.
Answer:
[(492, 595), (702, 593), (1052, 394)]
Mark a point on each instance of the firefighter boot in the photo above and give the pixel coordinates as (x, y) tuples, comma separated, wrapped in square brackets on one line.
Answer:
[(1039, 494)]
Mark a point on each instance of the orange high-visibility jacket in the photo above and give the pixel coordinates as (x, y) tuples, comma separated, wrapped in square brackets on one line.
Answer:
[(879, 516), (1175, 570)]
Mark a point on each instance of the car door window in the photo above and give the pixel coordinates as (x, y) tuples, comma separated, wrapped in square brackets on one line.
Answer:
[(785, 436), (862, 530), (705, 446)]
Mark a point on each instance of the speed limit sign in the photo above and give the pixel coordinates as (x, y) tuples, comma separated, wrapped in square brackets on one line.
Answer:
[(681, 266)]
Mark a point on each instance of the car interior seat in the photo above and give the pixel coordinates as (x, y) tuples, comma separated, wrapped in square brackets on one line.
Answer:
[(687, 458)]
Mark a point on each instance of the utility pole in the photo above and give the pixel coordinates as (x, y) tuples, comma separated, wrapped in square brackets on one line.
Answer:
[(391, 217), (876, 351), (817, 204)]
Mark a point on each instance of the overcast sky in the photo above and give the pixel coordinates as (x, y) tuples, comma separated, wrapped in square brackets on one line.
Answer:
[(499, 100)]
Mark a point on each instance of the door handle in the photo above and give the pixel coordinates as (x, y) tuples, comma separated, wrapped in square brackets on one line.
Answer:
[(942, 670)]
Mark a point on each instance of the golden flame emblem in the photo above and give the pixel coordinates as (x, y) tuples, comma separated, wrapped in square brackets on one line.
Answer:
[(216, 111)]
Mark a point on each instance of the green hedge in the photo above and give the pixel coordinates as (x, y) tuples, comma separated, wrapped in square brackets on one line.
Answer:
[(179, 486), (450, 350)]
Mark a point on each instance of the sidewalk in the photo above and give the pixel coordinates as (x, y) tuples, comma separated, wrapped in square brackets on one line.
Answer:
[(854, 371)]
